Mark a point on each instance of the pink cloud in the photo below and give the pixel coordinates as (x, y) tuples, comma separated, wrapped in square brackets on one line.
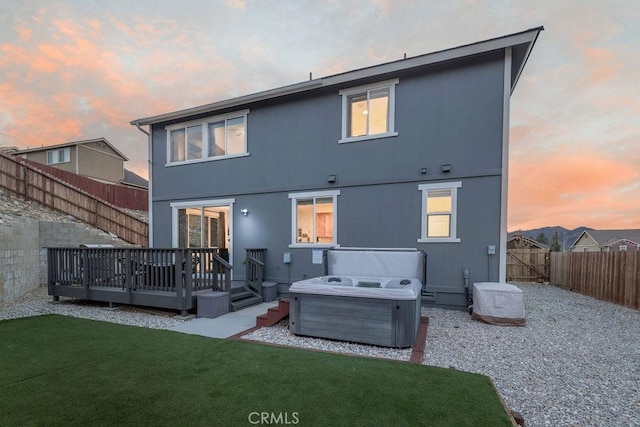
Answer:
[(572, 188), (24, 33), (373, 56), (601, 65), (236, 4)]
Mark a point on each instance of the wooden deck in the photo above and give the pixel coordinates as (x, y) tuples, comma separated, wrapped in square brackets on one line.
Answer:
[(167, 278)]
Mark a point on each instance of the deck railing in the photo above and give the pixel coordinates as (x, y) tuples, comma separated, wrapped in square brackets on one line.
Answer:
[(256, 264), (156, 277)]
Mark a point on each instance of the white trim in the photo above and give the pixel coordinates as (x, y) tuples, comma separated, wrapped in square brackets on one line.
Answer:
[(367, 87), (313, 195), (208, 119), (313, 245), (204, 125), (391, 125), (175, 206), (502, 270), (424, 189), (438, 240), (150, 184), (367, 137), (208, 159), (67, 151), (202, 203)]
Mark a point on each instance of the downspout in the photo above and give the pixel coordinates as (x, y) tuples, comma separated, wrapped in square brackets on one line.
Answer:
[(467, 291), (149, 190)]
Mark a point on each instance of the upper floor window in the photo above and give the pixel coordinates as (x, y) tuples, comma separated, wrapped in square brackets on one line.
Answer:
[(368, 111), (212, 138), (61, 155), (314, 218), (439, 212)]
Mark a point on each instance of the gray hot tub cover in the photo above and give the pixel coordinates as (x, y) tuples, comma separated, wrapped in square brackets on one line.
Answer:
[(373, 263)]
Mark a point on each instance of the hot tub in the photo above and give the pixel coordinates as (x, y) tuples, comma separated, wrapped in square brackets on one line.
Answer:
[(382, 308)]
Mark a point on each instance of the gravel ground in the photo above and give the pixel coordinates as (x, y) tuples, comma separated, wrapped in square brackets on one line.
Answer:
[(575, 363), (37, 302), (279, 334)]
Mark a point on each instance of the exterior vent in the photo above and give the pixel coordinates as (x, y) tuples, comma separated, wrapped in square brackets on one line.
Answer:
[(429, 296)]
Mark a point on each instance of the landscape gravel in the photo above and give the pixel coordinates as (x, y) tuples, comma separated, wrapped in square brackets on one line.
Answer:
[(37, 302), (576, 362)]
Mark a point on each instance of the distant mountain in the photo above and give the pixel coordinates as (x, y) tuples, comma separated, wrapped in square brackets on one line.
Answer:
[(567, 237)]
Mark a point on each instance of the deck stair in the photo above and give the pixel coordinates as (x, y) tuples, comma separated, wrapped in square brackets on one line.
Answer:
[(274, 314), (242, 297)]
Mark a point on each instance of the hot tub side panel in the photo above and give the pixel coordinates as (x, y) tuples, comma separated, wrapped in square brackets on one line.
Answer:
[(382, 322)]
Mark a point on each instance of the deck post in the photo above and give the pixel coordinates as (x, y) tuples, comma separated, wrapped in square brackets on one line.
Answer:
[(85, 272), (50, 271), (128, 274)]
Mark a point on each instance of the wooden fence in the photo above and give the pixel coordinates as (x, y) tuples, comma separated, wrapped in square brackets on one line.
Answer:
[(118, 195), (607, 276), (528, 265), (30, 183)]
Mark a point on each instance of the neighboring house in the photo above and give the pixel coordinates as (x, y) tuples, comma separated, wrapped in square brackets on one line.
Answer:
[(607, 241), (96, 158), (520, 241), (408, 154)]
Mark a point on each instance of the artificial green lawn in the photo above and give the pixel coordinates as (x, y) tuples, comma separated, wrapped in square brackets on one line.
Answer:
[(57, 370)]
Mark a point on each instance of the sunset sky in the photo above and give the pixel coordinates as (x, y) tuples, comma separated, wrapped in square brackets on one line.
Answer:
[(82, 69)]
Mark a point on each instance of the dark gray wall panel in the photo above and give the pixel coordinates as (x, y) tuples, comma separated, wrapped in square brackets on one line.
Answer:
[(450, 114)]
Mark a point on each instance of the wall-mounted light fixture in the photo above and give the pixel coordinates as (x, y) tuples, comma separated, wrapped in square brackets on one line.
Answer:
[(245, 212)]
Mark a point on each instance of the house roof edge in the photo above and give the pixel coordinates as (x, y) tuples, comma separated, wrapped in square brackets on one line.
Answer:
[(70, 144), (528, 36)]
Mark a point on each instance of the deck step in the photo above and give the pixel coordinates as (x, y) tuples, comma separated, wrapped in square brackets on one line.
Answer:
[(244, 302), (239, 295), (274, 314)]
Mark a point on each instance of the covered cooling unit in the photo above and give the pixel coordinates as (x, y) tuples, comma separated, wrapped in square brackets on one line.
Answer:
[(498, 304)]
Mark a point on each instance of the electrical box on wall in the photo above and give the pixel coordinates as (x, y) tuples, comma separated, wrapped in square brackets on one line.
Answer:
[(491, 250), (286, 258)]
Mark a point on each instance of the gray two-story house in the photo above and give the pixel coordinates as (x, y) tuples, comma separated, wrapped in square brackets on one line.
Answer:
[(407, 154)]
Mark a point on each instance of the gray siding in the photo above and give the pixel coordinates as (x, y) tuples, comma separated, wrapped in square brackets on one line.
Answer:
[(447, 114)]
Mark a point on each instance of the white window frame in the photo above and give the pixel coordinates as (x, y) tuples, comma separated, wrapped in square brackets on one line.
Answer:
[(200, 204), (623, 248), (313, 195), (204, 123), (391, 84), (56, 153), (424, 189)]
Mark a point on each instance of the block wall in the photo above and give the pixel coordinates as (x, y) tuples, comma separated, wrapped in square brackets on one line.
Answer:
[(19, 258), (23, 254)]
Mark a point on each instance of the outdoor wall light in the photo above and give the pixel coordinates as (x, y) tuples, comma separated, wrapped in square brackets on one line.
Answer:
[(245, 212)]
